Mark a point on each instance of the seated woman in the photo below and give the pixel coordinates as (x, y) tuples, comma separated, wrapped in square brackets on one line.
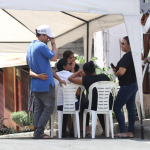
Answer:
[(90, 78), (69, 55)]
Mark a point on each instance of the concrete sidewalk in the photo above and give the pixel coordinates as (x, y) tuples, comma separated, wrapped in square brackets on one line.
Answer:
[(137, 129), (137, 132)]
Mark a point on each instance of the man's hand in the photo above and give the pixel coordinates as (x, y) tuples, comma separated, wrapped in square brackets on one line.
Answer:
[(52, 40), (43, 76), (54, 49)]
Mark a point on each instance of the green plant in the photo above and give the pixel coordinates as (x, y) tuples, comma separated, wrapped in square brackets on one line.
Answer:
[(103, 70), (80, 59), (3, 129), (21, 118)]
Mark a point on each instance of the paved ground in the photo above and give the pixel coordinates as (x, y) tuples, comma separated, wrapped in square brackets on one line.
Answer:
[(23, 141), (74, 144)]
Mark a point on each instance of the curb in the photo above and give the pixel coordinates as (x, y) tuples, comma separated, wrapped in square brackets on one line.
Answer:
[(24, 135), (137, 131)]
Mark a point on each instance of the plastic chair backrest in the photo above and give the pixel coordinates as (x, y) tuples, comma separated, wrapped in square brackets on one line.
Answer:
[(56, 96), (104, 88), (69, 95)]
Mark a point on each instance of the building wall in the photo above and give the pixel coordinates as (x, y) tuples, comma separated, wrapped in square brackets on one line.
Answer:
[(25, 89), (14, 93), (107, 45), (9, 89), (1, 96)]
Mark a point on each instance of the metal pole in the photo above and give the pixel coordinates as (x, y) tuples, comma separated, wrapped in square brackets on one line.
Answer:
[(141, 120), (87, 53)]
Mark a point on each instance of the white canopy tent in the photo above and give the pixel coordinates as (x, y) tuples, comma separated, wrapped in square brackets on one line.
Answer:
[(20, 18)]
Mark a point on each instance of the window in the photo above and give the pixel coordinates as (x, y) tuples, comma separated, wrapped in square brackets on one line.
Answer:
[(146, 1)]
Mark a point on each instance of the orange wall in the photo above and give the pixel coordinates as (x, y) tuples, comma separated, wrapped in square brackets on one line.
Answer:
[(8, 122)]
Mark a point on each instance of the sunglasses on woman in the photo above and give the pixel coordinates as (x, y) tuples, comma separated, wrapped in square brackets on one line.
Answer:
[(122, 43)]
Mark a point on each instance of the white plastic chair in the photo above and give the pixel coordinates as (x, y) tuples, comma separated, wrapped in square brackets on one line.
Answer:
[(69, 98), (55, 111), (103, 88)]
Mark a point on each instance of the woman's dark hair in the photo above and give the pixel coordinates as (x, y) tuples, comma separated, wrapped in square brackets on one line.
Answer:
[(62, 62), (127, 40), (89, 68), (67, 53)]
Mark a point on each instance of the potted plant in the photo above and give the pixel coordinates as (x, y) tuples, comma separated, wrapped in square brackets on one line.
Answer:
[(23, 120), (3, 129)]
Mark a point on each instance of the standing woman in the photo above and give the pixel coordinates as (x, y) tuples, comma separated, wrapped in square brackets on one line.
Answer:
[(125, 72)]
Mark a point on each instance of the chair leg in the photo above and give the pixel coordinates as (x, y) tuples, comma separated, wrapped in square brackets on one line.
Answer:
[(52, 125), (74, 125), (84, 123), (60, 120), (94, 118), (125, 113), (107, 125), (138, 108), (77, 123), (111, 124)]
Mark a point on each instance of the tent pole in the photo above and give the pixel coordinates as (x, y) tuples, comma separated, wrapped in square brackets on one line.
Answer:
[(141, 120), (87, 53), (87, 22)]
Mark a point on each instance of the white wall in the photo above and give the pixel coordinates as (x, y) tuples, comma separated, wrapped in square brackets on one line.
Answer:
[(98, 48), (115, 36), (107, 45)]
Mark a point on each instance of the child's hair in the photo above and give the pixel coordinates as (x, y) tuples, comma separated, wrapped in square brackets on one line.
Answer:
[(62, 62), (67, 53)]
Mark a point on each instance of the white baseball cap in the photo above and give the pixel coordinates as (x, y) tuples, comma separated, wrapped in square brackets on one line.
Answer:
[(45, 29)]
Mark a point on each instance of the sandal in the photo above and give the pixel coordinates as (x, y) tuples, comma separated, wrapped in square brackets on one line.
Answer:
[(130, 135), (87, 134), (43, 136), (119, 135), (81, 133), (64, 134)]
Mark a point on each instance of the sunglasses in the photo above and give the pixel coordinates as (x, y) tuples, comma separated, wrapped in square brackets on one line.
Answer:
[(122, 43)]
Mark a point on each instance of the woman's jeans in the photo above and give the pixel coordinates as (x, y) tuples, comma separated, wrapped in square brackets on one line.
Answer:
[(126, 95)]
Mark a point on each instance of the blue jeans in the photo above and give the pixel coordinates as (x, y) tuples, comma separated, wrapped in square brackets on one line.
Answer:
[(126, 95)]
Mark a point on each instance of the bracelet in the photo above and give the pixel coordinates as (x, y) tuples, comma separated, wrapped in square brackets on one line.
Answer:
[(53, 43)]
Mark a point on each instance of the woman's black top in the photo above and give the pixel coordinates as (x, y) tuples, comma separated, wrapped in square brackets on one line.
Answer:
[(76, 68), (127, 62), (88, 80)]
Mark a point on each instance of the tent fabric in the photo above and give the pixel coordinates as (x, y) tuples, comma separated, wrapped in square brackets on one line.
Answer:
[(11, 60), (13, 47), (66, 28), (127, 7), (133, 29)]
